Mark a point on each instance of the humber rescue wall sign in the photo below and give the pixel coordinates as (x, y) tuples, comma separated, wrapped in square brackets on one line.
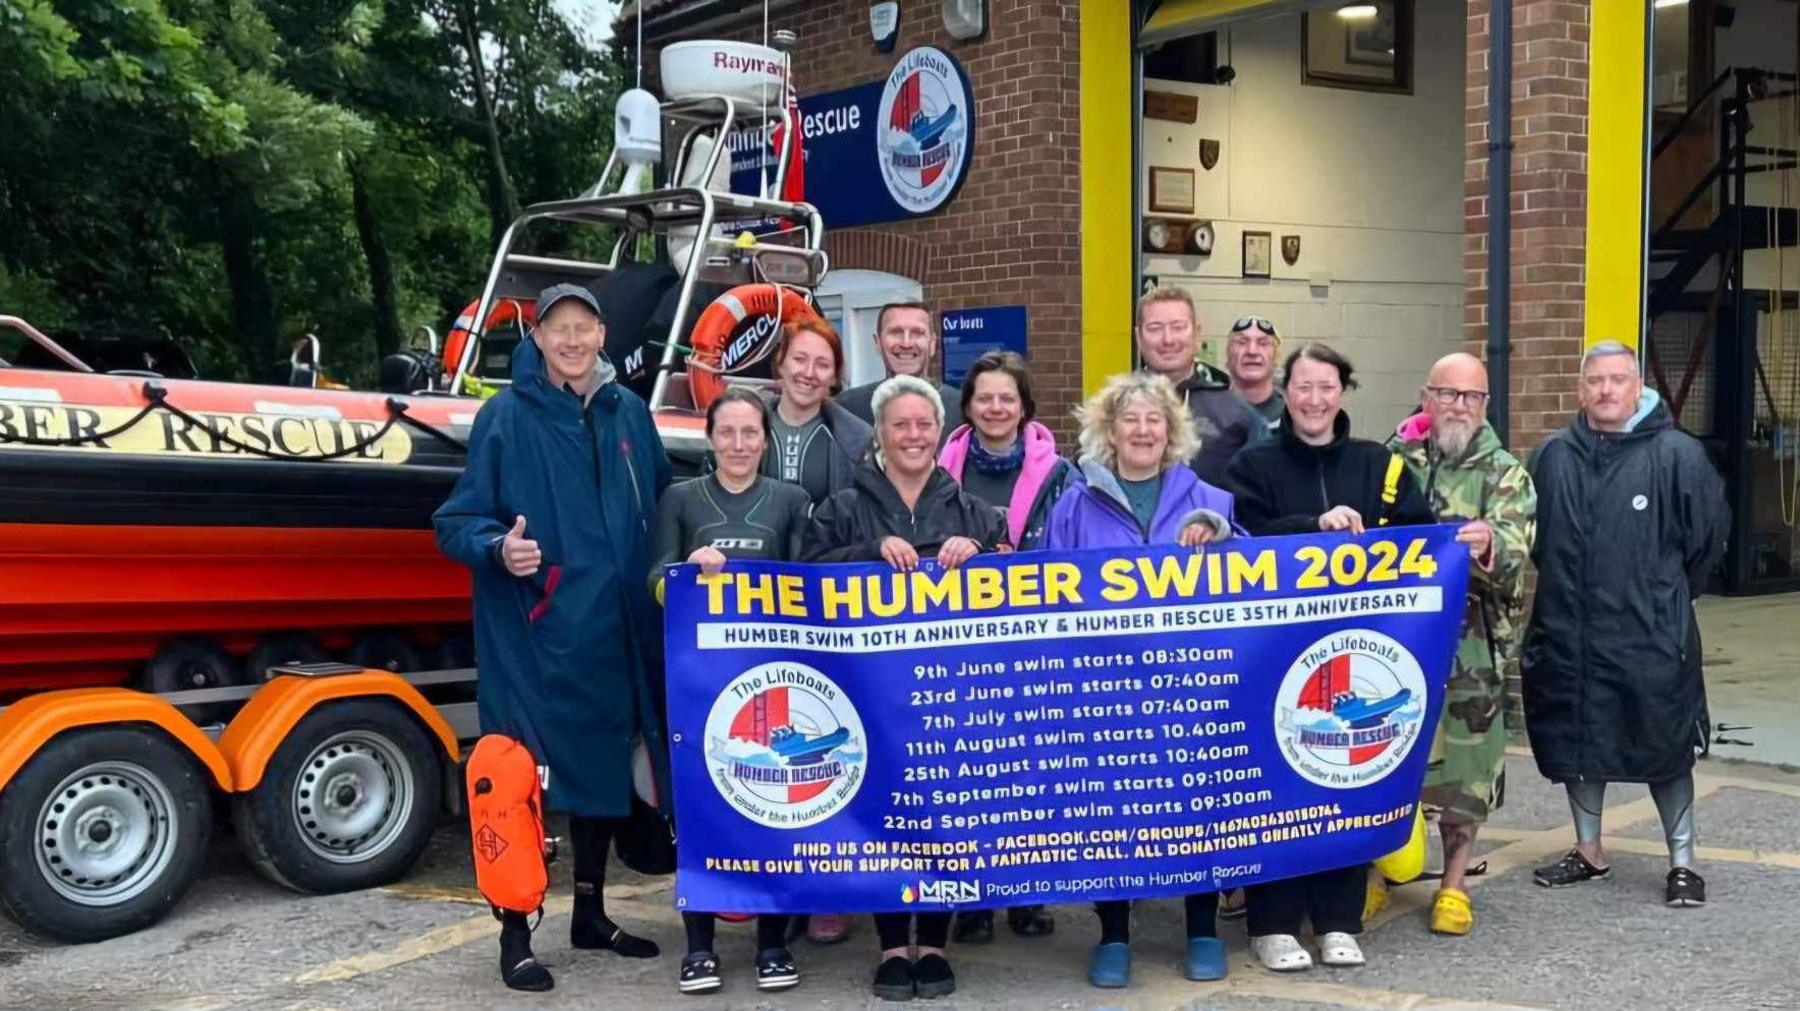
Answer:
[(913, 131)]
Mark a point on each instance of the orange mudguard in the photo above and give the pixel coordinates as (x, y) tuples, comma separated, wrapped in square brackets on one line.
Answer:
[(506, 825)]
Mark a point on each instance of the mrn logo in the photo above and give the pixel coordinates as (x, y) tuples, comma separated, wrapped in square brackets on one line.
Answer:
[(949, 892)]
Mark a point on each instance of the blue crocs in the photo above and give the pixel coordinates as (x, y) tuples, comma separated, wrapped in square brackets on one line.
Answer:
[(1109, 967), (1205, 959)]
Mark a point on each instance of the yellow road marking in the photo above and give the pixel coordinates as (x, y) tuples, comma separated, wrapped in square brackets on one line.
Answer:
[(445, 938), (1249, 980), (1655, 848), (1527, 848), (435, 893), (1522, 848)]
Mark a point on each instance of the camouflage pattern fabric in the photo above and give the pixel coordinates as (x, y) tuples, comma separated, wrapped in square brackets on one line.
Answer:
[(1468, 757)]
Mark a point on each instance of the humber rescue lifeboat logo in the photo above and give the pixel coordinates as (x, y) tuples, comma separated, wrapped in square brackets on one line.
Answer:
[(923, 129), (785, 746), (1350, 709)]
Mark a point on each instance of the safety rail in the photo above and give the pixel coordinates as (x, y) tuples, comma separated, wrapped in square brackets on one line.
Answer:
[(44, 341)]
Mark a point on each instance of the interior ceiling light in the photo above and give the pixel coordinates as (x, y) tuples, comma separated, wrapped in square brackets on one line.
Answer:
[(1660, 4), (1360, 12)]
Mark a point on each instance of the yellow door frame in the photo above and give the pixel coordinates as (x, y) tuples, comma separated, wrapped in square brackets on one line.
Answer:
[(1617, 170), (1106, 230)]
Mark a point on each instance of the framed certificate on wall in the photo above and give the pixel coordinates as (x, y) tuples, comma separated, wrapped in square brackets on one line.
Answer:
[(1171, 190), (1259, 248)]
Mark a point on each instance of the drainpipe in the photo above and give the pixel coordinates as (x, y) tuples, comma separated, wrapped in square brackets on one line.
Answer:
[(1499, 207)]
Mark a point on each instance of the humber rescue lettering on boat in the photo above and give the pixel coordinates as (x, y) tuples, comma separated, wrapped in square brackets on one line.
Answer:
[(27, 425)]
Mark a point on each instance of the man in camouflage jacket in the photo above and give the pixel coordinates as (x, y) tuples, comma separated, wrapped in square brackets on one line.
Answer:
[(1468, 476)]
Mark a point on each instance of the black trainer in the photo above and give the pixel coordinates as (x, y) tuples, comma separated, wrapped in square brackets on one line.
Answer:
[(1685, 888), (700, 973), (974, 926), (1572, 869), (894, 979), (775, 969), (1030, 921), (932, 977)]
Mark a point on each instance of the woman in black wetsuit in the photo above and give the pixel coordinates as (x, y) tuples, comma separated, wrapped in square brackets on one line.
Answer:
[(734, 512)]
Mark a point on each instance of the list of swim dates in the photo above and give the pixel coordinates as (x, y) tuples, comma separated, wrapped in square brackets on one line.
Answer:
[(1074, 759), (1059, 757), (1123, 734)]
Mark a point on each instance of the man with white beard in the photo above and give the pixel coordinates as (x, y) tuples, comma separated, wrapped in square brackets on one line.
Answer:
[(1469, 477)]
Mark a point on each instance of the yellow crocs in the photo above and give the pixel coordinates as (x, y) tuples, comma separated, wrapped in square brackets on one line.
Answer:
[(1375, 900), (1451, 913)]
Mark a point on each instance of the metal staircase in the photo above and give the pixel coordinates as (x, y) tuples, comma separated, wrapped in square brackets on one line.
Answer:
[(1709, 367)]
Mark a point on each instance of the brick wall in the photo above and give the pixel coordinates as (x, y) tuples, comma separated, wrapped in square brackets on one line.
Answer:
[(1010, 235), (1549, 206)]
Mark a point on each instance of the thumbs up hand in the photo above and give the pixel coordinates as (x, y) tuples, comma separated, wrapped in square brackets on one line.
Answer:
[(520, 554)]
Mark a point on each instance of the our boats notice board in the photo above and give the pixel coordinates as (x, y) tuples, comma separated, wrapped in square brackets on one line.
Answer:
[(970, 333), (1054, 727)]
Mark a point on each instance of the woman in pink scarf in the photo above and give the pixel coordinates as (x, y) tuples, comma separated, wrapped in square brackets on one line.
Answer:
[(1003, 456), (1008, 460)]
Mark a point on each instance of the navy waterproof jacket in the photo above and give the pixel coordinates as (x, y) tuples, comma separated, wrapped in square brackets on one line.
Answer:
[(1630, 525), (570, 658)]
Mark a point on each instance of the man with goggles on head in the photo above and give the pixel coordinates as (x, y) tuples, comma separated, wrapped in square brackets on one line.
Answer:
[(1250, 353)]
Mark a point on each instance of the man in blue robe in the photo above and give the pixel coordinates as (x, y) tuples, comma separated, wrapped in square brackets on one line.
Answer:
[(553, 515)]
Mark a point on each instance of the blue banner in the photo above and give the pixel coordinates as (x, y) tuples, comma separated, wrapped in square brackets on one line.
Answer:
[(1054, 726)]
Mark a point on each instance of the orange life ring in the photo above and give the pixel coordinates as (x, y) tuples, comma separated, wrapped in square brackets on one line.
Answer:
[(721, 343), (505, 312)]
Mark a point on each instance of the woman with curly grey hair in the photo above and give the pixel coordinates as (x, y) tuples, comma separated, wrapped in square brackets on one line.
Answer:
[(1135, 488)]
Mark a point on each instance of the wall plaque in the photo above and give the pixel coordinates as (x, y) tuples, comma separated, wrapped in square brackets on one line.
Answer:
[(1171, 106)]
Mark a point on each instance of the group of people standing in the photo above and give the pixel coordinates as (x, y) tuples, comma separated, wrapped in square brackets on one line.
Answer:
[(567, 520)]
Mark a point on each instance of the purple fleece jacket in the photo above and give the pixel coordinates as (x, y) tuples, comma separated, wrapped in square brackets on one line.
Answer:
[(1093, 513)]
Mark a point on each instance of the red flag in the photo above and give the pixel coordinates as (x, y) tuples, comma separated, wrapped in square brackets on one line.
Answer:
[(793, 187)]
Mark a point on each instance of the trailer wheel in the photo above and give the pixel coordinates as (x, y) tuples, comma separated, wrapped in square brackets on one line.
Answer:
[(101, 833), (188, 663), (385, 649), (280, 648), (457, 651), (348, 800)]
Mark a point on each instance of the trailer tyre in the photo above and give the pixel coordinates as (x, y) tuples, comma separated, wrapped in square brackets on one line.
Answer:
[(385, 649), (188, 663), (457, 651), (348, 800), (282, 648), (101, 833)]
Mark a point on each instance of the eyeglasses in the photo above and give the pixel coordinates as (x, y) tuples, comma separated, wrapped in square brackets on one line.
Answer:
[(1246, 322), (1445, 396)]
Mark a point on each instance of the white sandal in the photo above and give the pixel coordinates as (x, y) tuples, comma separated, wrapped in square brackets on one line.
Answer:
[(1281, 953), (1338, 948)]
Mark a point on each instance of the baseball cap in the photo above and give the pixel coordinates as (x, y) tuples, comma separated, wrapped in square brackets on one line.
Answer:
[(550, 296)]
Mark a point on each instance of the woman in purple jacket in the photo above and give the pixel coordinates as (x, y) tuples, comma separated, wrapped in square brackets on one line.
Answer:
[(1135, 488)]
